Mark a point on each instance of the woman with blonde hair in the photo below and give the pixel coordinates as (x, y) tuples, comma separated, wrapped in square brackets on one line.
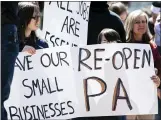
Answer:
[(137, 31), (136, 26)]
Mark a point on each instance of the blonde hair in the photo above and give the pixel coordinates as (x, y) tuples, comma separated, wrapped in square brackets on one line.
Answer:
[(129, 24)]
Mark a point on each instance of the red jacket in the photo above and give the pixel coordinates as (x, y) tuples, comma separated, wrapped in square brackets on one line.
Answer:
[(157, 57)]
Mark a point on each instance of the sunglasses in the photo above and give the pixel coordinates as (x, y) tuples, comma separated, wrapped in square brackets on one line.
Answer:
[(138, 22)]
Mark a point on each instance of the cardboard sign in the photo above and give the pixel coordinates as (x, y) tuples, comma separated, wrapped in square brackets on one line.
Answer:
[(66, 23)]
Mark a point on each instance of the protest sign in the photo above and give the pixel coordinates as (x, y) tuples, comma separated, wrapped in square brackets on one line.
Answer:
[(115, 79), (43, 86), (66, 23), (107, 80)]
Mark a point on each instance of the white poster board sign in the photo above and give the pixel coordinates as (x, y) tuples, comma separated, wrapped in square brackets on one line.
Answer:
[(115, 79), (66, 23), (43, 86), (107, 80)]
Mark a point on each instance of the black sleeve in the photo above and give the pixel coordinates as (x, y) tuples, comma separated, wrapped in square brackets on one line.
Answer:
[(21, 46), (151, 28), (40, 44), (122, 32), (118, 26), (9, 12)]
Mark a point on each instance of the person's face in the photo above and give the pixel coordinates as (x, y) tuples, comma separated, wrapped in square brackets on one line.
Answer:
[(34, 22), (140, 25)]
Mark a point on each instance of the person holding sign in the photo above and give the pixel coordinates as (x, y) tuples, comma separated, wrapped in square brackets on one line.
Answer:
[(137, 32), (111, 36), (29, 15), (108, 35)]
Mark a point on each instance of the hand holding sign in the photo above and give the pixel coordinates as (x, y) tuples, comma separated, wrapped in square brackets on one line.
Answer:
[(29, 49), (156, 80)]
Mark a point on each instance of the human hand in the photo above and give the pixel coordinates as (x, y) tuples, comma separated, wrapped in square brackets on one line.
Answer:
[(29, 49), (156, 80)]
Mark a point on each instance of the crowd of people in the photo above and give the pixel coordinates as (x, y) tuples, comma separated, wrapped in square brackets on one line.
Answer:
[(108, 23)]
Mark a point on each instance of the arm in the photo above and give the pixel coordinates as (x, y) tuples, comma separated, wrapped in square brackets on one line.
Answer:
[(41, 44)]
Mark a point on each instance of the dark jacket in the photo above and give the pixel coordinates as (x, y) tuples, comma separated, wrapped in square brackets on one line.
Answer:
[(151, 27), (9, 12), (157, 57), (99, 18), (38, 44)]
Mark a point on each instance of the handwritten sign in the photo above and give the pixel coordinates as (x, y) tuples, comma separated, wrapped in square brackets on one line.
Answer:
[(66, 23), (115, 79), (107, 80), (43, 86)]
